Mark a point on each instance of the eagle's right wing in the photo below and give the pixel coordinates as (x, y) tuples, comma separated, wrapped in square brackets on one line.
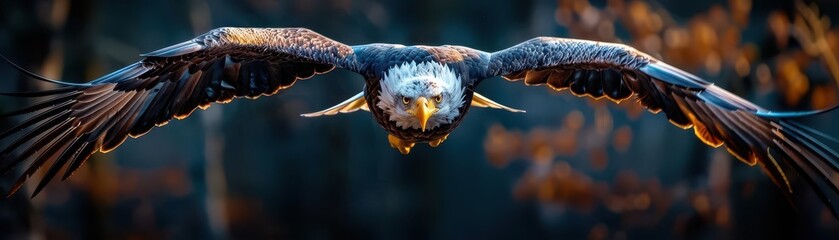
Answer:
[(76, 120)]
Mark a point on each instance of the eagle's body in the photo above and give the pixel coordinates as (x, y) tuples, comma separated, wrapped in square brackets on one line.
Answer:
[(417, 94)]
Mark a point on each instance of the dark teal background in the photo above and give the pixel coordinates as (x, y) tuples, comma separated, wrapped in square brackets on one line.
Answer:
[(284, 176)]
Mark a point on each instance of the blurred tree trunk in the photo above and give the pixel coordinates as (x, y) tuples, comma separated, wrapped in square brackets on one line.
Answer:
[(213, 156), (38, 44), (76, 42), (30, 40)]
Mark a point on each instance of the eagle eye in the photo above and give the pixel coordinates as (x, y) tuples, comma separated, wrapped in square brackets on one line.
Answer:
[(438, 98), (406, 100)]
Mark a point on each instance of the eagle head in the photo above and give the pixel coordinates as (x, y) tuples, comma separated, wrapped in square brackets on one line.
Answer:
[(421, 95)]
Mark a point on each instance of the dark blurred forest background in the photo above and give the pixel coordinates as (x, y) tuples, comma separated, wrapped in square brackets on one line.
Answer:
[(569, 168)]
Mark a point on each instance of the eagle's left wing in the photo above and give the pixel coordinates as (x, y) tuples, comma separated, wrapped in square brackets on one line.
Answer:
[(617, 72)]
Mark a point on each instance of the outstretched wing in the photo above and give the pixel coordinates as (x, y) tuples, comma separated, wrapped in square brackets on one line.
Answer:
[(76, 120), (617, 72)]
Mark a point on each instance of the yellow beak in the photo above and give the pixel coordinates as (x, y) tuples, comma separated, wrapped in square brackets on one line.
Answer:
[(423, 111)]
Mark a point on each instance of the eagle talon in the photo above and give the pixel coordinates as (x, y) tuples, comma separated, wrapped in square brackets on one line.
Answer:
[(403, 146), (437, 142)]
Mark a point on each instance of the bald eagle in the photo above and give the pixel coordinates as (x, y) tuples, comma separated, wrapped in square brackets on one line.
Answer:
[(418, 94)]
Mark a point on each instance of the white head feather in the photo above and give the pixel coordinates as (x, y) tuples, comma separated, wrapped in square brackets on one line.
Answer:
[(425, 79)]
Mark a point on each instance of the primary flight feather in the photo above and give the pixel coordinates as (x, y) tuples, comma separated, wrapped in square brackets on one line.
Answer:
[(418, 94)]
